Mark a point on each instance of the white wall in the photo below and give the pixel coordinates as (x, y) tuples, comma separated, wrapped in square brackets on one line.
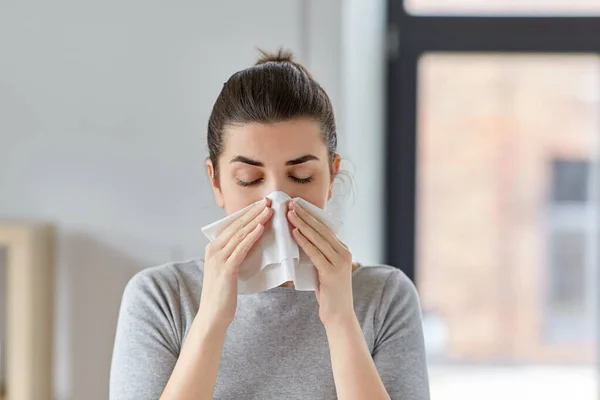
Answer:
[(362, 127), (346, 52), (103, 110)]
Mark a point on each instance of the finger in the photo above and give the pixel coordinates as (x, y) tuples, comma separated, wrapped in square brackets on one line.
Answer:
[(313, 236), (318, 226), (318, 259), (244, 247), (344, 245), (241, 234), (243, 220)]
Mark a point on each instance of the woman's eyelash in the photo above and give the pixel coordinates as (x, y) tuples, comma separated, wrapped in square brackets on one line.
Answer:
[(301, 180), (246, 184), (295, 179)]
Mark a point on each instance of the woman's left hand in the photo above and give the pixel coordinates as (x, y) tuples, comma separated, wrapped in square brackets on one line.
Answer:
[(333, 261)]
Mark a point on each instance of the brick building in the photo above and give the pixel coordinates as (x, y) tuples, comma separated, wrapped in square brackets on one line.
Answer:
[(507, 222)]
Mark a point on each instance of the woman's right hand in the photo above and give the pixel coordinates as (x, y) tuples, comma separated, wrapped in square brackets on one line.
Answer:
[(223, 257)]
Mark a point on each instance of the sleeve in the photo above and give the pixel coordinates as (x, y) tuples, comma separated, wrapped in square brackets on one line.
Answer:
[(399, 349), (146, 346)]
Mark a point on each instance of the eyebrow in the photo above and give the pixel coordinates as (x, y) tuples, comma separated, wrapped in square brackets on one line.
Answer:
[(295, 161), (246, 160), (302, 160)]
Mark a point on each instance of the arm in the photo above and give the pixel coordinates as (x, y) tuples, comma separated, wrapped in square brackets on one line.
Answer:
[(147, 358), (397, 369), (146, 348), (147, 362), (195, 373), (354, 371), (399, 349), (147, 338)]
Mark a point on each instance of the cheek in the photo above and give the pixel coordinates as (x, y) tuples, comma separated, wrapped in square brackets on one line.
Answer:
[(315, 194), (236, 197)]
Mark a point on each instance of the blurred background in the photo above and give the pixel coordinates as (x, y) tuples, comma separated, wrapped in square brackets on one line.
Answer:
[(471, 129)]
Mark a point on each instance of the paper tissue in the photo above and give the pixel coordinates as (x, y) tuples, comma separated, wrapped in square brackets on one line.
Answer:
[(276, 257)]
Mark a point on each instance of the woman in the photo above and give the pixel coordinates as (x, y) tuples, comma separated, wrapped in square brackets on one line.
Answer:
[(183, 332)]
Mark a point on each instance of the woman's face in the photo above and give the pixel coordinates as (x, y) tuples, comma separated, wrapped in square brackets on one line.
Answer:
[(258, 159)]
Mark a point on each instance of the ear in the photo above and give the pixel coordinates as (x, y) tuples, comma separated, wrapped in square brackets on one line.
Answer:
[(215, 184), (337, 159)]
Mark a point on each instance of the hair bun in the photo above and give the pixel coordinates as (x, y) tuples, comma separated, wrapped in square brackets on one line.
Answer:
[(281, 56)]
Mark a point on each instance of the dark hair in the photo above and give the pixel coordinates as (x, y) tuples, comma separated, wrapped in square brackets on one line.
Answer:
[(275, 89)]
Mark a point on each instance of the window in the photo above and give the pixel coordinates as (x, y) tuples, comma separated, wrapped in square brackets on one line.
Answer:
[(501, 231), (572, 252), (567, 276), (570, 181), (492, 175)]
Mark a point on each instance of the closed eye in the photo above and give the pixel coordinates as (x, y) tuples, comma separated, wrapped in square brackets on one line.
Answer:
[(257, 181), (246, 184), (301, 180)]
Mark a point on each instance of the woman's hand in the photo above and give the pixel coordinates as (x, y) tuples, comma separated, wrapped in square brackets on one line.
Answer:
[(223, 257), (333, 261)]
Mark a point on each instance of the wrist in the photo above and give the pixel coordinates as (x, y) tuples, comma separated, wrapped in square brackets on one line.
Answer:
[(342, 322)]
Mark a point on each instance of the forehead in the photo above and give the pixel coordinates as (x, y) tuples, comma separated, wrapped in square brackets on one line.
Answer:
[(286, 139)]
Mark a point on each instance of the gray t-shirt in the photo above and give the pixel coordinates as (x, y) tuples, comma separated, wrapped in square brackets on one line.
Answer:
[(276, 347)]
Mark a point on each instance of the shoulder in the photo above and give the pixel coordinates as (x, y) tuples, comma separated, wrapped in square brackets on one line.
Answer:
[(393, 312), (379, 278), (164, 281), (382, 288)]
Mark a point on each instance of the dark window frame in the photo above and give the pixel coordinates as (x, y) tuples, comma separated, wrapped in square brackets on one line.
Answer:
[(564, 188), (411, 36)]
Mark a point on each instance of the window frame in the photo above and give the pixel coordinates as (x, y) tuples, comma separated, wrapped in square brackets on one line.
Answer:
[(410, 37)]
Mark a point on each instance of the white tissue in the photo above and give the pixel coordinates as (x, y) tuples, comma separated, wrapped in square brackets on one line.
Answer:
[(275, 258)]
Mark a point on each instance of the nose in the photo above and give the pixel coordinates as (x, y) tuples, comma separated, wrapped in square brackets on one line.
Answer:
[(280, 185)]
